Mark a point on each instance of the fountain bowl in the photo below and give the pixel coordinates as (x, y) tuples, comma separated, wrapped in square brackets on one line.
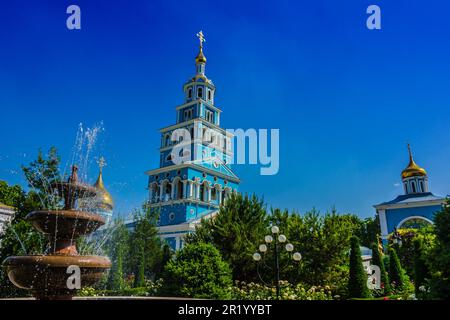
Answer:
[(66, 224), (46, 275)]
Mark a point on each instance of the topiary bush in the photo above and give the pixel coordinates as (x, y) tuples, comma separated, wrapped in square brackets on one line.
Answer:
[(197, 271)]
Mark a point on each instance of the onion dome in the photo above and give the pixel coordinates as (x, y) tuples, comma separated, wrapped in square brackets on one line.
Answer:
[(104, 200), (413, 170)]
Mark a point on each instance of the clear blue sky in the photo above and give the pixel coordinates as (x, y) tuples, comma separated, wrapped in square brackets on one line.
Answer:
[(346, 99)]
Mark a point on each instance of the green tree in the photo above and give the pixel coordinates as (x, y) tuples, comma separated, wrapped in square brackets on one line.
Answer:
[(41, 174), (20, 237), (441, 254), (238, 227), (421, 270), (117, 250), (145, 247), (357, 283), (198, 271), (378, 261), (396, 272)]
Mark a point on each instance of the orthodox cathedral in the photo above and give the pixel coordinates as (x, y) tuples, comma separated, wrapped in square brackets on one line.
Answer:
[(184, 192), (414, 208)]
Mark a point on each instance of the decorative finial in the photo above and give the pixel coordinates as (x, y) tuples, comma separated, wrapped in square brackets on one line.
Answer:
[(101, 163), (201, 37), (410, 152)]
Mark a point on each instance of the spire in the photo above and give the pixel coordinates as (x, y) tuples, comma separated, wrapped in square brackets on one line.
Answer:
[(200, 59), (106, 199), (413, 169)]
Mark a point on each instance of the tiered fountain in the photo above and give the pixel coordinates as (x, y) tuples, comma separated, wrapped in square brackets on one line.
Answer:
[(46, 275)]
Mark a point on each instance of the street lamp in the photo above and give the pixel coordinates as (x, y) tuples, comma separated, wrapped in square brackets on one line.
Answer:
[(397, 237), (275, 239)]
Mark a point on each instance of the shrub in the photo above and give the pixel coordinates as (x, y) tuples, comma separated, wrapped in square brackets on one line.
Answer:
[(255, 291), (198, 271)]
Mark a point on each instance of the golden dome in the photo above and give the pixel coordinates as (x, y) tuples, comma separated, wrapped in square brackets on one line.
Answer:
[(200, 58), (105, 200), (413, 170)]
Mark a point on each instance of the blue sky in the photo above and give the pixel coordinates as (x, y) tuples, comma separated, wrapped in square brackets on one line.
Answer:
[(346, 99)]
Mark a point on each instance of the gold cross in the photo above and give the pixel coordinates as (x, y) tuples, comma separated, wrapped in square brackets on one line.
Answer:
[(201, 37), (101, 163)]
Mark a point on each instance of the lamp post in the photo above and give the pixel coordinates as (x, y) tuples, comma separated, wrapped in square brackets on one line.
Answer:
[(276, 240), (397, 238)]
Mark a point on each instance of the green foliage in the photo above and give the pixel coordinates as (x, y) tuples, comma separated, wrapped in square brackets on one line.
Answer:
[(440, 283), (240, 224), (145, 247), (421, 270), (40, 175), (378, 261), (198, 271), (357, 283), (117, 250), (396, 273), (369, 230), (324, 242), (406, 251), (255, 291)]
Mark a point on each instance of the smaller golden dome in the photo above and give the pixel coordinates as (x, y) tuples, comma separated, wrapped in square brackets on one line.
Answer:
[(200, 58), (105, 200), (413, 170)]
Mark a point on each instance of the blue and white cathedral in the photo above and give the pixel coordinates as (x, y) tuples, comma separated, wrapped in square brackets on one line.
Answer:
[(416, 207), (189, 190)]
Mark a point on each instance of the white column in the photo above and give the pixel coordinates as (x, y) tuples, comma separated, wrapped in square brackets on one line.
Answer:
[(197, 191), (172, 191), (208, 197), (150, 196), (383, 224), (161, 191), (191, 189), (183, 194), (177, 243)]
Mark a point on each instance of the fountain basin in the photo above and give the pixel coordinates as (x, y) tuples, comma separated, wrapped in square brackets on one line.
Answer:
[(65, 224), (46, 275)]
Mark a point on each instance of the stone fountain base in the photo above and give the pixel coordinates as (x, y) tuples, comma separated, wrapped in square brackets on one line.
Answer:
[(46, 275)]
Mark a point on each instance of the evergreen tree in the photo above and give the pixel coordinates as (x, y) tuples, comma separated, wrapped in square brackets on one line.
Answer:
[(357, 283), (238, 227), (396, 272), (421, 271), (441, 254), (198, 271), (145, 247), (378, 261), (117, 249)]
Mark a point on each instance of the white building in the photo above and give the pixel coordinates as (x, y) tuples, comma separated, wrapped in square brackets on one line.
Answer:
[(6, 215)]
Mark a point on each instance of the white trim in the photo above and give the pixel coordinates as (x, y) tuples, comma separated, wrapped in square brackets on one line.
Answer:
[(426, 203), (193, 166), (413, 217), (383, 222)]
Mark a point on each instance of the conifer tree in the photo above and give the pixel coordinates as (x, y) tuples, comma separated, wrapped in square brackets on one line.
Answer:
[(378, 261), (397, 274), (357, 283)]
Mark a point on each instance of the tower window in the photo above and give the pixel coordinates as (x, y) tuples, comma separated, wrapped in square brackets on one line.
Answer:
[(200, 92), (413, 185), (422, 189), (190, 93), (209, 94)]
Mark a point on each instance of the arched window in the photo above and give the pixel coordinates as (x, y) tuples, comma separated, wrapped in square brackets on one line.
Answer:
[(190, 93), (413, 185), (167, 140), (213, 194), (209, 95), (169, 157), (200, 92)]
